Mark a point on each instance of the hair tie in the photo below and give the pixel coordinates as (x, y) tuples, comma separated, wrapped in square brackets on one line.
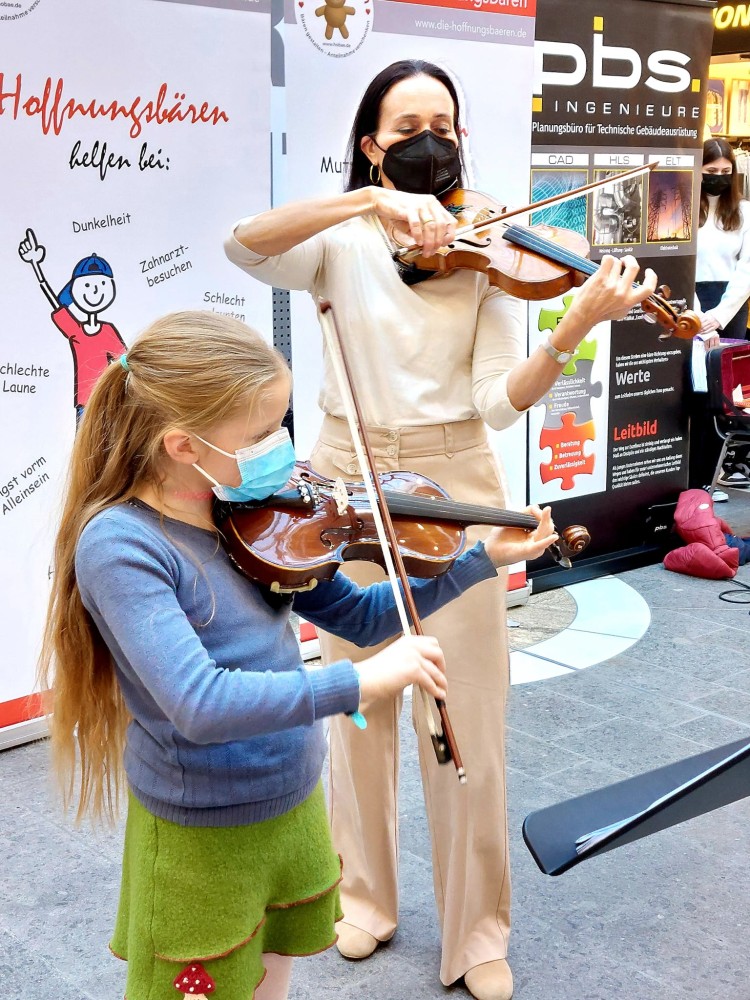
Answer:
[(124, 362)]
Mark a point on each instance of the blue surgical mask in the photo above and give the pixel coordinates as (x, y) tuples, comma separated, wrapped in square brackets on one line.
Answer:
[(265, 468)]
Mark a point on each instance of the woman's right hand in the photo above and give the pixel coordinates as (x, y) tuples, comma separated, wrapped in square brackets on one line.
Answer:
[(413, 659), (417, 219)]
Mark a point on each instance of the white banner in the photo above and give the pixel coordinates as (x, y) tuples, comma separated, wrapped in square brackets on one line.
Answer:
[(127, 146)]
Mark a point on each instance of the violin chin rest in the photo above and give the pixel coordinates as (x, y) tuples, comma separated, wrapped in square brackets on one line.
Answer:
[(276, 587)]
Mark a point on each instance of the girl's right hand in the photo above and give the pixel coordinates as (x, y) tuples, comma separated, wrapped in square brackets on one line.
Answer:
[(413, 659), (418, 219)]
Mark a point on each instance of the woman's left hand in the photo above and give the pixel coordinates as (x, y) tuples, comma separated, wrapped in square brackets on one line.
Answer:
[(506, 546), (610, 293)]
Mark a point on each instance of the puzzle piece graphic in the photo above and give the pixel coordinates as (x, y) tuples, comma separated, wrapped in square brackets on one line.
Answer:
[(550, 318), (566, 444), (586, 351), (568, 421), (571, 394)]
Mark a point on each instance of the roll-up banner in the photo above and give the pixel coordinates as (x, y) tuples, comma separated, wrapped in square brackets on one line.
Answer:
[(608, 443), (331, 54), (126, 149)]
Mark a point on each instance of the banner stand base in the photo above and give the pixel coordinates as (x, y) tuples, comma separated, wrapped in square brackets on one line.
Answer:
[(517, 596), (552, 577), (23, 732)]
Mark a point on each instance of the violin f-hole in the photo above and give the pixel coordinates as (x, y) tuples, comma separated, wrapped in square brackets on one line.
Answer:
[(479, 244)]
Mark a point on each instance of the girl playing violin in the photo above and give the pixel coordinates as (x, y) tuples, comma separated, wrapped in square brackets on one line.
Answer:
[(433, 363), (170, 664)]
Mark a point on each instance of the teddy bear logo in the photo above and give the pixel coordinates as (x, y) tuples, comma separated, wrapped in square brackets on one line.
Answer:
[(335, 14)]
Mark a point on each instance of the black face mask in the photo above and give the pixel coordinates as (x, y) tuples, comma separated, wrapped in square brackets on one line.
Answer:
[(423, 164), (716, 183)]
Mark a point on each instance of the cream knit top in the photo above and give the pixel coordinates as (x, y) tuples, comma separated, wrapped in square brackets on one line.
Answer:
[(432, 353)]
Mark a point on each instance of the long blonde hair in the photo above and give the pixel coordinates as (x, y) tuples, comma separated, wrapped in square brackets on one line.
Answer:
[(188, 370)]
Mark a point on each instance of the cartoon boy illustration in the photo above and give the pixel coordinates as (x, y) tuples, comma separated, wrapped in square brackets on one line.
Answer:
[(89, 292)]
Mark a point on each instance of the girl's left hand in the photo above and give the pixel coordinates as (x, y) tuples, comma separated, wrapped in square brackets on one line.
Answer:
[(506, 546)]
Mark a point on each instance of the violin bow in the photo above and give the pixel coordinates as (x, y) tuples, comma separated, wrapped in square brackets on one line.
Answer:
[(443, 740), (555, 199)]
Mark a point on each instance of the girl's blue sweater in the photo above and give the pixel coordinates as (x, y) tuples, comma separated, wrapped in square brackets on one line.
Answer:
[(226, 719)]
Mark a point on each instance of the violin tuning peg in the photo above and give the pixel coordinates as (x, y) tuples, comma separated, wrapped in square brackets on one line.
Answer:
[(665, 291)]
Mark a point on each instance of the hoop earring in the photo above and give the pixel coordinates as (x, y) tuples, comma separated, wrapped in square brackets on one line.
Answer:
[(374, 180)]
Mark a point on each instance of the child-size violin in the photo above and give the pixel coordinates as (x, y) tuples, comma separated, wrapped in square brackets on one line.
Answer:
[(300, 536)]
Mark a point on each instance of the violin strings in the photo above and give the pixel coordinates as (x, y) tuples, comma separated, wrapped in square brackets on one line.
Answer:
[(424, 505), (531, 241), (415, 506)]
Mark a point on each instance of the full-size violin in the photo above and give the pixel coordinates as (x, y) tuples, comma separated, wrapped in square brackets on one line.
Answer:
[(529, 262), (304, 534)]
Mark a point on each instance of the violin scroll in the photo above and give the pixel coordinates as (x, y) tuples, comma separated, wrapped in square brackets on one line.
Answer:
[(574, 540), (683, 323), (688, 325)]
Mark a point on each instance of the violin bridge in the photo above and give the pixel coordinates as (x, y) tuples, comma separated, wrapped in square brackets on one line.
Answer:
[(340, 496)]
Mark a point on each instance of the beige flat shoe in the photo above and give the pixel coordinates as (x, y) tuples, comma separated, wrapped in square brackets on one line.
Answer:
[(355, 943), (490, 981)]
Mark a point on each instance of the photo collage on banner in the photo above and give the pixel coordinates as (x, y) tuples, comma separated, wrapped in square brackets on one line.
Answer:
[(124, 162), (609, 98), (488, 51)]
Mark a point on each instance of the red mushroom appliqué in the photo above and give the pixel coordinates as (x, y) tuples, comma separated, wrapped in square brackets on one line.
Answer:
[(194, 981)]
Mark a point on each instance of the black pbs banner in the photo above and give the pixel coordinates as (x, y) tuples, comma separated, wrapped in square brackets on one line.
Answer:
[(608, 444)]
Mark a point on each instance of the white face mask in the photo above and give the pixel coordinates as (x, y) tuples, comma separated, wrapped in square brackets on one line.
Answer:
[(265, 468)]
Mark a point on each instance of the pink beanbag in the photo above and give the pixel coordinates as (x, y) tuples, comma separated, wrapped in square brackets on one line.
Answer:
[(706, 554), (698, 559)]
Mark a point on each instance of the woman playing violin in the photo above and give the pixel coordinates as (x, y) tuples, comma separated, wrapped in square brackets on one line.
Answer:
[(433, 363)]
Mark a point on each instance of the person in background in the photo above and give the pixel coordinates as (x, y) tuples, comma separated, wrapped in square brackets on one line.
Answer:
[(722, 287)]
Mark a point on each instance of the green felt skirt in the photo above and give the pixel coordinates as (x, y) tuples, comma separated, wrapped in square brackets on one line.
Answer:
[(222, 896)]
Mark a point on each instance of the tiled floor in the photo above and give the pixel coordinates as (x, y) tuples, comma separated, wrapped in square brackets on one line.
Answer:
[(667, 918)]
